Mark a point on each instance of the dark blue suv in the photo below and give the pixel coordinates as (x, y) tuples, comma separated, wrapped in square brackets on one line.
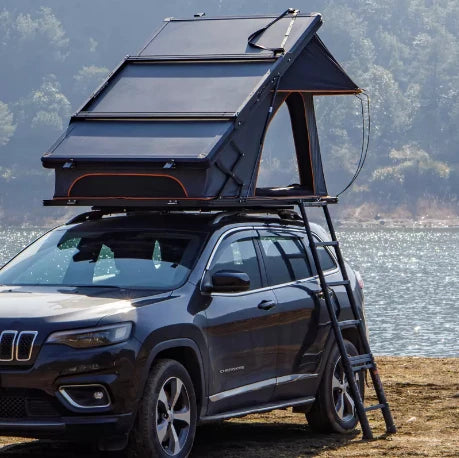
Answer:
[(131, 329)]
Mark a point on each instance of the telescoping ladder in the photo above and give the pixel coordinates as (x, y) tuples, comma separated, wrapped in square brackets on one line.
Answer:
[(351, 364)]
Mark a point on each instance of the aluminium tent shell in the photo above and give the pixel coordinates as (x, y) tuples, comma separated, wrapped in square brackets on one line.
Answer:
[(182, 123)]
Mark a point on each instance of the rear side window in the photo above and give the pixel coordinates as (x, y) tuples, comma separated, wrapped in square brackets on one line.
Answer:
[(326, 260), (239, 255), (285, 259)]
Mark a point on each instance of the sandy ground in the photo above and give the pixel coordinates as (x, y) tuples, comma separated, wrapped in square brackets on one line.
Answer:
[(423, 393)]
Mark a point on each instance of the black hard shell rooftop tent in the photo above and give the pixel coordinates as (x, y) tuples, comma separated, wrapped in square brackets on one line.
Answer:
[(182, 123)]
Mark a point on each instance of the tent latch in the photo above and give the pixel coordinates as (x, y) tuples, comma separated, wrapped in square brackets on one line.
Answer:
[(169, 165), (69, 165)]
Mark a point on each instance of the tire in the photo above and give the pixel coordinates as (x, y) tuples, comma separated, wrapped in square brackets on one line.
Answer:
[(333, 409), (165, 425)]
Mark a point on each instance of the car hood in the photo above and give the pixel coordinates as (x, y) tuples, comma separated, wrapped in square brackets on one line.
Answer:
[(20, 304)]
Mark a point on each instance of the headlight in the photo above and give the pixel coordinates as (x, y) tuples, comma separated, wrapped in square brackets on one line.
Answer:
[(93, 337)]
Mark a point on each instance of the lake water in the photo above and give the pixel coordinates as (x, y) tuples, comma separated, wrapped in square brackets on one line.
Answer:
[(411, 285)]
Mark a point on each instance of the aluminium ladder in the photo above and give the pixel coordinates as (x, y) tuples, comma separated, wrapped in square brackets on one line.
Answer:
[(351, 364)]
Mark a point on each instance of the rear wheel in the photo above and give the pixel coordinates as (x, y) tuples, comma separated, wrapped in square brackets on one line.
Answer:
[(334, 408), (166, 420)]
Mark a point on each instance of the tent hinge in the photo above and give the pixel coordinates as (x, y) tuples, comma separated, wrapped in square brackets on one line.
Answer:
[(230, 174)]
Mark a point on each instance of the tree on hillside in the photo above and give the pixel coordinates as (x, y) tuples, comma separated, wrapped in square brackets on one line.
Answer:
[(88, 79), (46, 109), (7, 127), (30, 43), (413, 172)]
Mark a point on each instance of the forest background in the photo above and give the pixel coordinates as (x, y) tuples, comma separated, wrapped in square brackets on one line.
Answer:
[(405, 53)]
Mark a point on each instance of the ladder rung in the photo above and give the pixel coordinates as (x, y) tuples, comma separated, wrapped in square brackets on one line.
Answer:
[(338, 283), (363, 367), (375, 407), (348, 323), (335, 243), (364, 358), (361, 359), (361, 362)]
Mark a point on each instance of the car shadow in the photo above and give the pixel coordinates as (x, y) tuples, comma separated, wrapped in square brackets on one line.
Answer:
[(269, 440), (225, 439)]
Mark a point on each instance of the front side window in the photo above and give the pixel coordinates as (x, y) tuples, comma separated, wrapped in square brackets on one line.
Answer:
[(109, 258), (239, 255), (285, 259)]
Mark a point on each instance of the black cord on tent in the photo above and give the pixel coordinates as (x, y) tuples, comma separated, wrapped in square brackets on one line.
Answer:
[(365, 139)]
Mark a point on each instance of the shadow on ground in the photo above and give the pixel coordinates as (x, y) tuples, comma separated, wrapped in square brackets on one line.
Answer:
[(227, 439), (251, 439)]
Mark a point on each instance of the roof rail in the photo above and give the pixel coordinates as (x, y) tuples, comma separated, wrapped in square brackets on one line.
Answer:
[(87, 216), (282, 213)]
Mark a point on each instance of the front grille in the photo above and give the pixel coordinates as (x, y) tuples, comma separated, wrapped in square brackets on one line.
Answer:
[(12, 407), (26, 404), (25, 345), (7, 339), (16, 345)]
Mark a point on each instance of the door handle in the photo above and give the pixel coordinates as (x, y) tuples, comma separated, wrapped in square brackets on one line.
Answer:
[(266, 305)]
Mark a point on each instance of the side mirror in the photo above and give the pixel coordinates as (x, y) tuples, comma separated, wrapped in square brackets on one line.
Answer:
[(226, 281)]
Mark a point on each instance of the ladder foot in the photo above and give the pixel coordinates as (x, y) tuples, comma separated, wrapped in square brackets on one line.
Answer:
[(368, 436)]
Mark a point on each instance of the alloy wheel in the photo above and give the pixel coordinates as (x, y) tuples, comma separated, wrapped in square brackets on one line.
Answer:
[(173, 416), (341, 393)]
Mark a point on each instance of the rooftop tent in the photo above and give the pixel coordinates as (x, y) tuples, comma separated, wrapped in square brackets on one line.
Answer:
[(183, 122)]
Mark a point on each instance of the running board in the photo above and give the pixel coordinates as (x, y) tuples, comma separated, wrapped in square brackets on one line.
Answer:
[(259, 409)]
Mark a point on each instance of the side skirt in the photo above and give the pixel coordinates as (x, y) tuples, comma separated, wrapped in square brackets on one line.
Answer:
[(258, 409)]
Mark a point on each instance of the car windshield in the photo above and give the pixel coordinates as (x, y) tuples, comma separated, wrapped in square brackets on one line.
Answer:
[(107, 258)]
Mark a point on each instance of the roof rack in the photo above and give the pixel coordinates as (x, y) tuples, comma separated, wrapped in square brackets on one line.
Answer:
[(284, 213)]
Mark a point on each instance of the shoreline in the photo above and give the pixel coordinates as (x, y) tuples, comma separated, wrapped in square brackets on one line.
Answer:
[(452, 223), (340, 223)]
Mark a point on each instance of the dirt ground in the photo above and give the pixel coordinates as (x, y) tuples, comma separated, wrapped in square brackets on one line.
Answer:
[(424, 397)]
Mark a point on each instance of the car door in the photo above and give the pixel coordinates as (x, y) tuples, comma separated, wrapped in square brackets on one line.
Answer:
[(239, 329), (289, 273)]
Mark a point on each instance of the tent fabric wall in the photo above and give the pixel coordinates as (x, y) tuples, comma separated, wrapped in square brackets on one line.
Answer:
[(317, 71)]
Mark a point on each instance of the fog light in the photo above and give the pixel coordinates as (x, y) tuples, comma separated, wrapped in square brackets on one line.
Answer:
[(86, 396)]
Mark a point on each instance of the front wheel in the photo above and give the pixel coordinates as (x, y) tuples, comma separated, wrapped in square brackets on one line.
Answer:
[(334, 408), (166, 420)]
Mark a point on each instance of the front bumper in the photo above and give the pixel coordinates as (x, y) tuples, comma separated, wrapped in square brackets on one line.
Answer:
[(32, 406), (84, 427)]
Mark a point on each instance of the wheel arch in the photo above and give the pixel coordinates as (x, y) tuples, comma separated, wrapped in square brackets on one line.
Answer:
[(351, 334), (186, 352)]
